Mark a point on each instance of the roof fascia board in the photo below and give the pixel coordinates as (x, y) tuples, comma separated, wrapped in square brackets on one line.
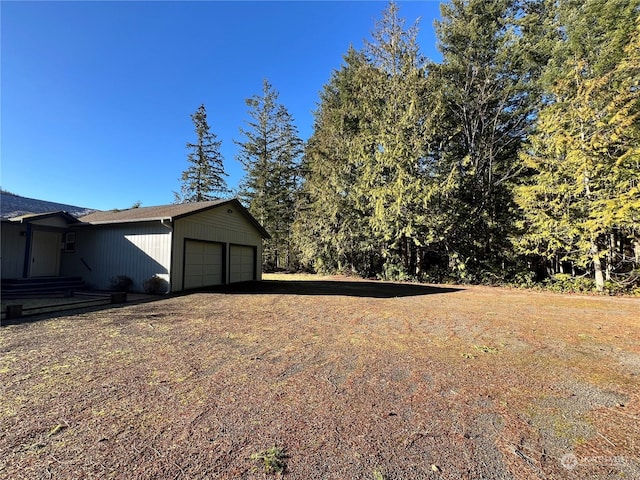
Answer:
[(119, 222), (43, 216)]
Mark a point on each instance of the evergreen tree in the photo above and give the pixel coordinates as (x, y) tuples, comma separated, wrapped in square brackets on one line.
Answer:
[(485, 107), (332, 229), (583, 203), (393, 176), (204, 179), (270, 155), (414, 168), (364, 162)]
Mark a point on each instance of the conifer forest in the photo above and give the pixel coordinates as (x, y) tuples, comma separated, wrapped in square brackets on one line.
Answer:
[(515, 159)]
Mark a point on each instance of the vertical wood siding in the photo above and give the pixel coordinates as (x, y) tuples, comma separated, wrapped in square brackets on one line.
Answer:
[(216, 225), (13, 250), (138, 251)]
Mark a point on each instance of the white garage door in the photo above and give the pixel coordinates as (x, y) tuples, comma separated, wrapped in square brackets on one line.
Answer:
[(242, 264), (202, 264)]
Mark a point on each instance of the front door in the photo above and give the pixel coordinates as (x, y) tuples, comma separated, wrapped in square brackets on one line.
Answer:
[(45, 254)]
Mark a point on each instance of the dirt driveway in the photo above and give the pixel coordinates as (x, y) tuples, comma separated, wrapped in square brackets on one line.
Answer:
[(352, 379)]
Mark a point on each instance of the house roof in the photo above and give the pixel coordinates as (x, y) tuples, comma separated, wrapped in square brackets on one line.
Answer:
[(166, 212), (31, 217)]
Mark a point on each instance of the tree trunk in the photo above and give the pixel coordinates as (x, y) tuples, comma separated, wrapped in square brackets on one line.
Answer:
[(610, 257), (597, 267)]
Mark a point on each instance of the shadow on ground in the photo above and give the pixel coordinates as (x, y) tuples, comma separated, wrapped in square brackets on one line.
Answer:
[(328, 287), (366, 289), (48, 315)]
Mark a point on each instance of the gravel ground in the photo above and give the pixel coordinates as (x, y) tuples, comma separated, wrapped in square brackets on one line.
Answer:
[(348, 379)]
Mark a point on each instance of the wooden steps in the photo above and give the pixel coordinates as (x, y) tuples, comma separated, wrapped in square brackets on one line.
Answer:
[(41, 287)]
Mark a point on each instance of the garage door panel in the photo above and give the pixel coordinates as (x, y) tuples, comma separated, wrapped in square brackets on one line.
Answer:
[(211, 280), (194, 271), (203, 264), (193, 281), (213, 259), (242, 263), (193, 258)]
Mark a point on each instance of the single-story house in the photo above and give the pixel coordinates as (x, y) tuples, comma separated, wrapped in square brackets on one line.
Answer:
[(190, 245)]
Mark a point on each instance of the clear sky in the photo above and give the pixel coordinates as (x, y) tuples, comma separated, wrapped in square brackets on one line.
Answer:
[(96, 97)]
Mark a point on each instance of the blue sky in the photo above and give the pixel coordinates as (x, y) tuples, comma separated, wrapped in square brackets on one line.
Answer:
[(96, 97)]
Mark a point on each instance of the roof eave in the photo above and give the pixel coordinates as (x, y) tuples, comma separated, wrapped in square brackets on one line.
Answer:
[(133, 220), (42, 216)]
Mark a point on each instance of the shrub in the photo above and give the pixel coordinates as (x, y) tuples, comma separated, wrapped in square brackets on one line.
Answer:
[(156, 285), (564, 282), (627, 283), (121, 283), (273, 460)]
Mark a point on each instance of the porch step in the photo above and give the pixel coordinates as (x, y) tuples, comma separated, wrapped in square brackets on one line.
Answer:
[(41, 286)]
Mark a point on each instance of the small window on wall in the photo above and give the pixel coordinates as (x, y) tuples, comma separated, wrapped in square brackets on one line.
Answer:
[(70, 242)]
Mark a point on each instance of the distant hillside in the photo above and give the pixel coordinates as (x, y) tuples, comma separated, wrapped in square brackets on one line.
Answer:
[(12, 205)]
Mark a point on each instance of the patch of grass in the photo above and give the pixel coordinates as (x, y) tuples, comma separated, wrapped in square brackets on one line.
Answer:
[(273, 459), (378, 475), (486, 349), (55, 430)]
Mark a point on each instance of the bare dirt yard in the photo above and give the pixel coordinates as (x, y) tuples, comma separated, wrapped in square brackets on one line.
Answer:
[(347, 379)]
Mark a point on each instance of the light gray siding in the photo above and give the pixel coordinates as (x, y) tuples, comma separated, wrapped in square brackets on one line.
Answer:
[(13, 250), (226, 225), (137, 250)]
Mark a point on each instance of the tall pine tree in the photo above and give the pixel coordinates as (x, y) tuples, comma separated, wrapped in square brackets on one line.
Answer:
[(485, 104), (582, 203), (365, 161), (270, 155), (332, 228), (393, 179), (203, 180)]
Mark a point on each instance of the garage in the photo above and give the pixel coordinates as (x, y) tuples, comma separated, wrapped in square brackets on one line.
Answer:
[(203, 264), (187, 245), (242, 263)]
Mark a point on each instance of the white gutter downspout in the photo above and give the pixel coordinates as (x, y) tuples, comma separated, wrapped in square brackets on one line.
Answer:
[(170, 227)]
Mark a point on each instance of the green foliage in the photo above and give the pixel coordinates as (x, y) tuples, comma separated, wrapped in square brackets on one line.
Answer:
[(270, 155), (484, 99), (378, 475), (412, 161), (204, 179), (361, 205), (522, 278), (515, 155), (273, 460), (583, 196), (563, 282), (331, 228)]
